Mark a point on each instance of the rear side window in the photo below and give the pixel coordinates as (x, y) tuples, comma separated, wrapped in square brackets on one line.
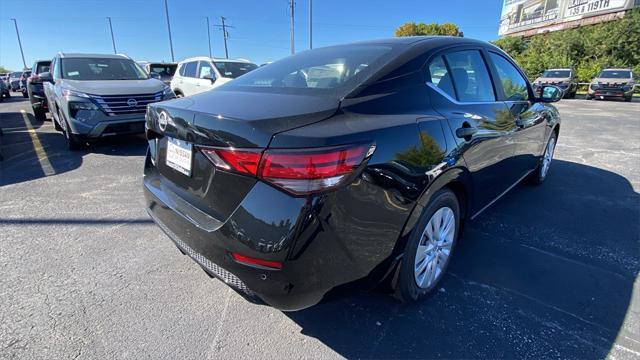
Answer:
[(471, 79), (190, 69), (440, 76), (513, 83)]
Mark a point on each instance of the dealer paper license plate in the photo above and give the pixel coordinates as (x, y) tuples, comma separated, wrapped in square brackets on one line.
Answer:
[(179, 154)]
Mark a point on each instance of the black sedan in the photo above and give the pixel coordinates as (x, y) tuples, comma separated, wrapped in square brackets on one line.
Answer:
[(345, 163)]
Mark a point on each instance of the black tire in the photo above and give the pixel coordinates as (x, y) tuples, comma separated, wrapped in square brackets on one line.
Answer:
[(8, 94), (73, 143), (24, 94), (179, 94), (40, 114), (538, 176), (628, 98), (55, 123), (406, 286)]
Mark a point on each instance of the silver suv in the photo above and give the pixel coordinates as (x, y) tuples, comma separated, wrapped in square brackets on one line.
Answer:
[(92, 96)]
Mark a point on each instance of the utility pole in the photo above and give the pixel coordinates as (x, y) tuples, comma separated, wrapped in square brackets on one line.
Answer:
[(209, 36), (166, 10), (113, 40), (292, 5), (15, 23), (225, 34), (310, 24)]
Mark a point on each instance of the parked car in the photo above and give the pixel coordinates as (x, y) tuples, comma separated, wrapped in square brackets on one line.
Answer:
[(23, 83), (161, 71), (35, 89), (199, 74), (14, 80), (345, 163), (4, 76), (612, 84), (563, 78), (4, 91), (94, 95)]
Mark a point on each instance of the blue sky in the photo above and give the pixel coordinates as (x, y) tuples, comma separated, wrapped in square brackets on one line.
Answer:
[(261, 30)]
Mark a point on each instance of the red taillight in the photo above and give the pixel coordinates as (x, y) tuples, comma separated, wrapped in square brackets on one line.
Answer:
[(298, 171), (306, 171), (276, 265), (242, 161)]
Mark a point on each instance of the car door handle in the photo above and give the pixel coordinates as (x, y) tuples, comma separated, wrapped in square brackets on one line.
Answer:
[(466, 132)]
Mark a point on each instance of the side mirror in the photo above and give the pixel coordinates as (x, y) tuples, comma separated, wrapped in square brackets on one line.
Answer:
[(46, 77), (549, 94), (154, 75), (210, 77)]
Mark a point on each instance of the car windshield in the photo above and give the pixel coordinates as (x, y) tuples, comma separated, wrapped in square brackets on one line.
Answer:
[(557, 74), (15, 74), (101, 69), (615, 74), (43, 66), (163, 69), (232, 70), (317, 70)]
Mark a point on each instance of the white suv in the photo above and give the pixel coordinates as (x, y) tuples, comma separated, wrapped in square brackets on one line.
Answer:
[(199, 74)]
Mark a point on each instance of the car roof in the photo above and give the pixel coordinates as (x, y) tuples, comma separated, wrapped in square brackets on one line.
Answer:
[(206, 58), (616, 69), (88, 55), (563, 69)]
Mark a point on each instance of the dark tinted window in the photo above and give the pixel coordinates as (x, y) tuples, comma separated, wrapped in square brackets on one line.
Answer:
[(163, 69), (513, 83), (440, 77), (205, 70), (190, 69), (234, 69), (101, 69), (42, 66), (470, 76)]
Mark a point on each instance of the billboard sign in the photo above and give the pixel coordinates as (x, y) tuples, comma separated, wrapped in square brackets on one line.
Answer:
[(521, 15)]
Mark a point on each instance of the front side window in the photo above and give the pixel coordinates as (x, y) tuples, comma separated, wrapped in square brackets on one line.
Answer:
[(205, 70), (234, 69), (471, 79), (101, 69), (513, 83)]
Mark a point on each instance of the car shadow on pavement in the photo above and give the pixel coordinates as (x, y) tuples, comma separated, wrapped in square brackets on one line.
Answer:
[(22, 162), (548, 271)]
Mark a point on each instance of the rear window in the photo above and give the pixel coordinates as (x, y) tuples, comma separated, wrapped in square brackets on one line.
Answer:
[(557, 74), (318, 70), (101, 69), (615, 74), (233, 69)]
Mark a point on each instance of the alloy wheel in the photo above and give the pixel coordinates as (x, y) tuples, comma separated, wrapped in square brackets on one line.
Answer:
[(434, 248), (548, 156)]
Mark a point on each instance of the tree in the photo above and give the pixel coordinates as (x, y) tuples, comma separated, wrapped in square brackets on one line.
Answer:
[(586, 49), (3, 69), (422, 29)]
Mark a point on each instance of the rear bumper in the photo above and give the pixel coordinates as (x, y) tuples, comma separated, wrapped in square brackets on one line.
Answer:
[(318, 250)]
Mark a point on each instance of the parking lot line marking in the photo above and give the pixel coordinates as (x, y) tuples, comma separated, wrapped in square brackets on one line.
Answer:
[(47, 169)]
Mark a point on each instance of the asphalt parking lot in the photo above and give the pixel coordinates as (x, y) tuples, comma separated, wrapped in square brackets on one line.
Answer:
[(547, 272)]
